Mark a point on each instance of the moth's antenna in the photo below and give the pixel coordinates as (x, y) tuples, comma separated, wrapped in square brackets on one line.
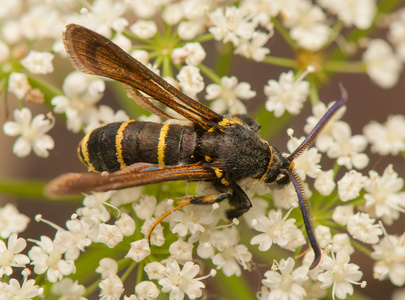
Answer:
[(303, 201), (306, 215), (320, 125)]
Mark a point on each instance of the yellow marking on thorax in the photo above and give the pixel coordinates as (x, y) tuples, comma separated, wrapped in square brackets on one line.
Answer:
[(230, 120), (118, 143), (225, 182), (218, 172), (85, 151), (162, 144), (207, 158), (269, 165)]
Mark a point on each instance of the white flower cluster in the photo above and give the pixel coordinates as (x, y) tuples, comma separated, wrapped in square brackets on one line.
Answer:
[(287, 93)]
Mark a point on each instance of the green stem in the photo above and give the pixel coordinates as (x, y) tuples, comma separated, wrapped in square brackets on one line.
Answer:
[(91, 288), (160, 251), (279, 61), (358, 201), (153, 54), (158, 61), (360, 247), (284, 33), (210, 74), (129, 270), (49, 90), (140, 271), (331, 201), (167, 31), (4, 90), (224, 60), (335, 32), (30, 190), (203, 38), (130, 35), (167, 70), (327, 222), (336, 169), (38, 279), (342, 67), (143, 47), (313, 91)]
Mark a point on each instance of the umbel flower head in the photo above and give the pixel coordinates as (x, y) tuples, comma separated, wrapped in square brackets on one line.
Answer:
[(31, 132), (340, 274), (180, 282), (284, 282)]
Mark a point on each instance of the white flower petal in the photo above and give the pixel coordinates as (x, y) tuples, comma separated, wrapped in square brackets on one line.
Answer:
[(22, 147), (12, 128), (42, 144)]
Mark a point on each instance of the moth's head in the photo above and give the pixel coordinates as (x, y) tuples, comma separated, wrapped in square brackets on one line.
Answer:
[(278, 168), (284, 177)]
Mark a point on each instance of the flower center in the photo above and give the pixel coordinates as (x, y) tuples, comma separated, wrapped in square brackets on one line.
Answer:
[(286, 283), (6, 258), (78, 104), (275, 230), (178, 281), (30, 134), (338, 273), (53, 258)]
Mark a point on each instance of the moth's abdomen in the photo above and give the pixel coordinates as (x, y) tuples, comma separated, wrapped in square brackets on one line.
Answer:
[(117, 145)]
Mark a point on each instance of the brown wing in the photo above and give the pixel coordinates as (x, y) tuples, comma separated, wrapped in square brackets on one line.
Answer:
[(94, 54), (135, 175), (145, 102)]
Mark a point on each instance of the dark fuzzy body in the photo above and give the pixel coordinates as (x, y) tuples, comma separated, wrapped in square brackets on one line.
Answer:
[(235, 150)]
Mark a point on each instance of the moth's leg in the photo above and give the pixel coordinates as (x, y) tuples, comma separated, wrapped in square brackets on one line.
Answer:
[(199, 200)]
